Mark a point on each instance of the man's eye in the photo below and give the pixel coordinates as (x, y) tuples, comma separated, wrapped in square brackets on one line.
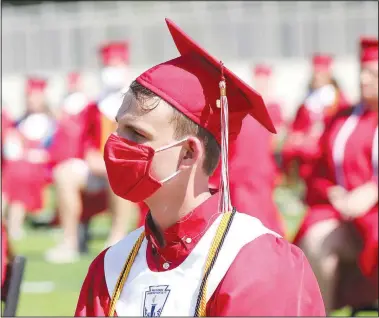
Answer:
[(138, 134), (134, 132)]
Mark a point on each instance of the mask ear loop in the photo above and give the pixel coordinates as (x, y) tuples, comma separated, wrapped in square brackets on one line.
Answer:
[(170, 177), (176, 143), (168, 147)]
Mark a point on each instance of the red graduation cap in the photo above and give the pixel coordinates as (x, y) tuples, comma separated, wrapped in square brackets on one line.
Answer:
[(34, 84), (322, 62), (113, 50), (369, 49), (262, 70), (73, 78), (190, 83)]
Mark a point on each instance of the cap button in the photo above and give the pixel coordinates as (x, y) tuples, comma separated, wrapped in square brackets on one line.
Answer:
[(166, 265), (188, 240)]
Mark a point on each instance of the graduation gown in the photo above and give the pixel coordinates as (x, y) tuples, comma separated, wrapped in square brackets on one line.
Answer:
[(6, 125), (252, 173), (309, 117), (71, 131), (349, 158), (24, 177), (252, 263)]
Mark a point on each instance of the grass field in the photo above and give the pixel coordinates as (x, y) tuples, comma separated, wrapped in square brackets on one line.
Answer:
[(52, 290)]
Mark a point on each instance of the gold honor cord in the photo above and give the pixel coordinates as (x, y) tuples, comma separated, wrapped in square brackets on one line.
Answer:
[(212, 256)]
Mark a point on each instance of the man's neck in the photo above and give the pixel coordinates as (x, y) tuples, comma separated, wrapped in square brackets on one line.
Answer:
[(165, 212)]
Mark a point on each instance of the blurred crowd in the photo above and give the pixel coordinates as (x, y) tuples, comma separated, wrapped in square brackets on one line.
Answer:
[(330, 146)]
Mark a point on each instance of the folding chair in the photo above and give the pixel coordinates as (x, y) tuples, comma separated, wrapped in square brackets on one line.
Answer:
[(12, 285)]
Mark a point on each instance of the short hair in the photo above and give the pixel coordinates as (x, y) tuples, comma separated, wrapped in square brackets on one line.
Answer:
[(183, 126)]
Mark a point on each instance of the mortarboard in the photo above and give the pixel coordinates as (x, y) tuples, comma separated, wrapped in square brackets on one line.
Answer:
[(112, 50), (190, 83), (322, 62), (34, 84), (262, 69), (196, 84), (73, 78), (369, 49)]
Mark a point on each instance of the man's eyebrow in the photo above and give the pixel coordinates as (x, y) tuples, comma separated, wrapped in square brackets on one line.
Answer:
[(132, 122), (126, 117)]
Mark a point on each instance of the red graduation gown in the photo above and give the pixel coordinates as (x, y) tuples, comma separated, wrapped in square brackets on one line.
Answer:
[(6, 125), (356, 169), (252, 173), (250, 286), (71, 133), (23, 180), (305, 154)]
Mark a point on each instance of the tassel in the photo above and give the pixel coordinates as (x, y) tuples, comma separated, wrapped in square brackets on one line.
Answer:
[(225, 203)]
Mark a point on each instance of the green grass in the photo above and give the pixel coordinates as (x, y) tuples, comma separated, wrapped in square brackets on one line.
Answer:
[(65, 280)]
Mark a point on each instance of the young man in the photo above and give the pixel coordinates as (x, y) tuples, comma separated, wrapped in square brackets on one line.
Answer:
[(343, 192), (166, 146)]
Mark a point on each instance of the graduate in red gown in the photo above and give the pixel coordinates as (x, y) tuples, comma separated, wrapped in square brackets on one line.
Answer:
[(6, 125), (343, 191), (73, 113), (195, 255), (324, 99), (81, 182), (27, 157), (263, 78)]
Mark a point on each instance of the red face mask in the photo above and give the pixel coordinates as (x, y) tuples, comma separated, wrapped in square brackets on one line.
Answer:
[(128, 168)]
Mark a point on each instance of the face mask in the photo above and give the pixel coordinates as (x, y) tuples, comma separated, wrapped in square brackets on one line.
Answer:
[(113, 77), (128, 167)]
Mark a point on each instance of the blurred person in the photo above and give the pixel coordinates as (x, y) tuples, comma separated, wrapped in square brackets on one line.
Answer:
[(85, 172), (324, 99), (252, 174), (6, 125), (169, 140), (67, 142), (341, 224), (26, 155), (263, 79)]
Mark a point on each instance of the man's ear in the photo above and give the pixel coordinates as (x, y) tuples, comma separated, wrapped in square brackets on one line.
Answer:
[(193, 151)]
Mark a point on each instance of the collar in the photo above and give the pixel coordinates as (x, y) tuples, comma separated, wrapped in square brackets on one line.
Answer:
[(180, 238)]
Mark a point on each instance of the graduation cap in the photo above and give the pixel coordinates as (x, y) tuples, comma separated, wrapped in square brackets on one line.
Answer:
[(262, 69), (73, 78), (369, 49), (34, 84), (196, 84), (322, 62), (112, 50)]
